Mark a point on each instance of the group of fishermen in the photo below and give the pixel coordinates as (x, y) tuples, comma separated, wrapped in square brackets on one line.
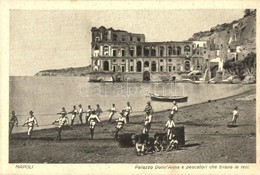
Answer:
[(92, 116)]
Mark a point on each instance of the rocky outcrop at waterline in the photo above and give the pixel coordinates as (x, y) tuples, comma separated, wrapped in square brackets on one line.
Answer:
[(77, 71)]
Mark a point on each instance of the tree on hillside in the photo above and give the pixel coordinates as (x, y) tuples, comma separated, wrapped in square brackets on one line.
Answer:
[(235, 68), (247, 12), (249, 63)]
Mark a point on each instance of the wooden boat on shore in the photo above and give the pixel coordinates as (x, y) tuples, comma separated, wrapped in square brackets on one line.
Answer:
[(178, 99)]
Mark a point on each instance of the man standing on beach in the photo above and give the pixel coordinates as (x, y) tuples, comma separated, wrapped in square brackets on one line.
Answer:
[(80, 113), (147, 122), (170, 125), (13, 121), (73, 114), (112, 111), (88, 113), (63, 120), (120, 124), (31, 121), (98, 110), (174, 108), (234, 116), (127, 112), (92, 122)]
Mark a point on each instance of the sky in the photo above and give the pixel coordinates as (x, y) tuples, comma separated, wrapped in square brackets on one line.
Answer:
[(51, 39)]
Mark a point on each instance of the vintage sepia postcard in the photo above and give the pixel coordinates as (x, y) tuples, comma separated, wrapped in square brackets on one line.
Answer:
[(135, 87)]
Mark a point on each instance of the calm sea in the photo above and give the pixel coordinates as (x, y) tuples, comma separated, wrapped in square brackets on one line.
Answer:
[(47, 95)]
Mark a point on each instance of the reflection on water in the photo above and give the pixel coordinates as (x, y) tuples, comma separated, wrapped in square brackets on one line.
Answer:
[(47, 95)]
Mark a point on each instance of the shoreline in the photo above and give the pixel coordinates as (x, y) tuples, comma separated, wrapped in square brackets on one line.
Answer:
[(205, 130), (163, 111)]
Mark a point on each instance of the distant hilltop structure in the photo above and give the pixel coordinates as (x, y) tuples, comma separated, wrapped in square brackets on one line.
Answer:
[(125, 52)]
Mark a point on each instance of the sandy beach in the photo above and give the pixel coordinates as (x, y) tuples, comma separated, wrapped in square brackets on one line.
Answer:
[(207, 138)]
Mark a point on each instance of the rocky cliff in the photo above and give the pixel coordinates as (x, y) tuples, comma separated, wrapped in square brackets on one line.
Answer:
[(237, 32)]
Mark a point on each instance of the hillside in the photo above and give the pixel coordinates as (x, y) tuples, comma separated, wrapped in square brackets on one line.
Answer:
[(77, 71), (237, 32)]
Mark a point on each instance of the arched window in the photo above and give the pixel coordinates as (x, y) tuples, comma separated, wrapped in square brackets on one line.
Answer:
[(187, 65), (161, 51), (174, 50), (146, 51), (139, 50), (170, 50), (106, 66), (146, 64), (153, 51), (139, 66), (178, 50), (153, 66), (187, 48)]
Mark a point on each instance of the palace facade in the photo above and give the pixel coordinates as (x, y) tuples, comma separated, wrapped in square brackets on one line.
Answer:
[(122, 51)]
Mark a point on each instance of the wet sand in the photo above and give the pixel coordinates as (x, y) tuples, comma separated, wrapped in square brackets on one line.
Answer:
[(207, 138)]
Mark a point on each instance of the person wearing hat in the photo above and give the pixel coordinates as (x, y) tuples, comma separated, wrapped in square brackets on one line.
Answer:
[(127, 111), (73, 114), (88, 113), (92, 122), (112, 111), (120, 124), (13, 121), (148, 109), (63, 111), (31, 121), (174, 108), (169, 125), (63, 120), (234, 116), (80, 113)]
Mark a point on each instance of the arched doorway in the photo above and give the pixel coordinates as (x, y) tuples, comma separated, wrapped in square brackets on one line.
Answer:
[(214, 71), (139, 66), (106, 66), (187, 65), (146, 76)]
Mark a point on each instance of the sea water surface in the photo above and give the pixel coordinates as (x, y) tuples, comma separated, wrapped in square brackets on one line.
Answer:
[(47, 95)]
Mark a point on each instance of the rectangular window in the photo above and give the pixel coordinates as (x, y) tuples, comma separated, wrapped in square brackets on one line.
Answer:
[(170, 68), (123, 53), (138, 39), (123, 68), (161, 68), (173, 68), (131, 38), (131, 68), (114, 53), (131, 53), (114, 68)]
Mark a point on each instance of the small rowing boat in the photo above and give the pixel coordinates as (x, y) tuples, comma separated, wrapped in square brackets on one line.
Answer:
[(178, 99)]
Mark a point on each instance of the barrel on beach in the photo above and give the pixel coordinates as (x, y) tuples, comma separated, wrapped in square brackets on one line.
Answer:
[(180, 135), (125, 140)]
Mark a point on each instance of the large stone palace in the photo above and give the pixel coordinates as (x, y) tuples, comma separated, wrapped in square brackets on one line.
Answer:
[(122, 51)]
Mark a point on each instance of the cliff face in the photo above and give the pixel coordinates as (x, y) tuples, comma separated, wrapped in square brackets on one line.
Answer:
[(78, 71), (240, 32)]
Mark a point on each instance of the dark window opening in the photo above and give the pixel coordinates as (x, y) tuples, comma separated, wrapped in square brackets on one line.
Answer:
[(153, 51), (131, 68), (115, 37), (131, 53), (153, 66), (131, 60), (139, 66), (170, 60), (161, 68), (161, 60), (169, 50), (123, 53), (114, 53), (123, 68), (146, 51), (170, 68), (138, 39), (123, 60), (173, 67), (114, 68), (178, 50), (139, 50), (146, 64)]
